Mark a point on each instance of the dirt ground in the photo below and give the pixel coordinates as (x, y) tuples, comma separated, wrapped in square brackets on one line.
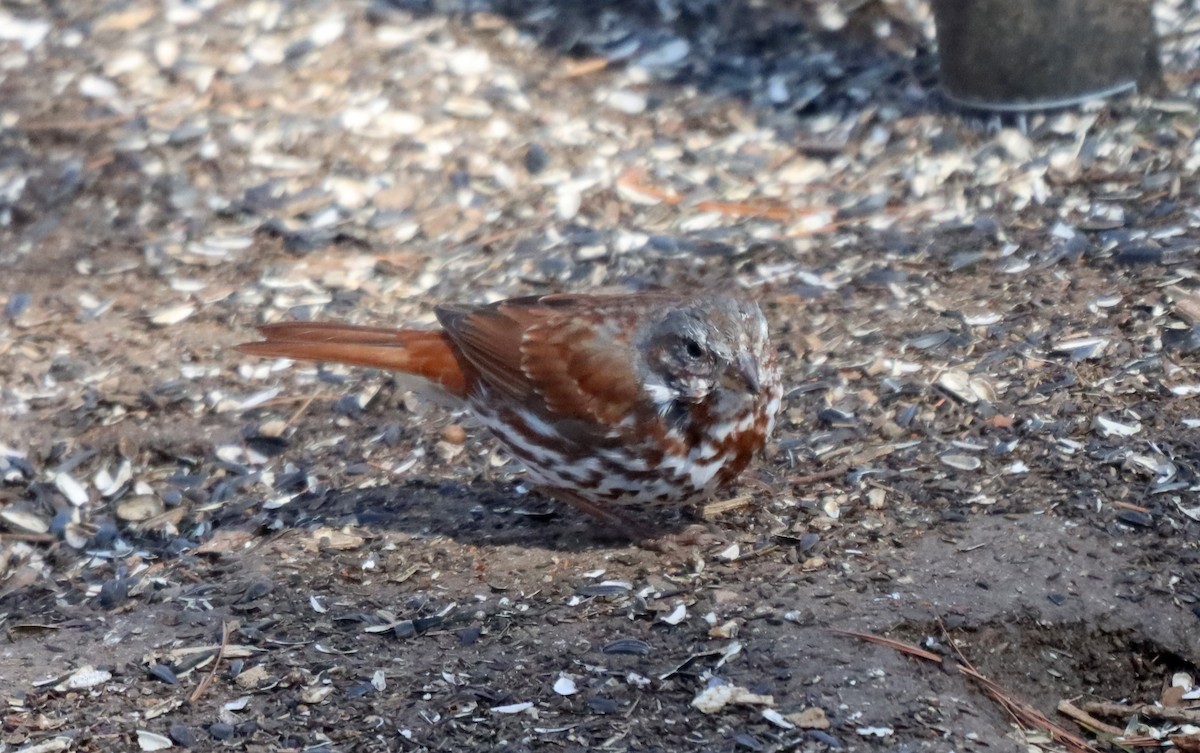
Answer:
[(990, 441)]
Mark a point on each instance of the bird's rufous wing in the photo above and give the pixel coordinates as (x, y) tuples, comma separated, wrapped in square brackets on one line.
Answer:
[(425, 353), (557, 354)]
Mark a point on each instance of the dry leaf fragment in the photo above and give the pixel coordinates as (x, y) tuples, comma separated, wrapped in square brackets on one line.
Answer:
[(324, 539), (810, 718), (711, 700), (225, 541)]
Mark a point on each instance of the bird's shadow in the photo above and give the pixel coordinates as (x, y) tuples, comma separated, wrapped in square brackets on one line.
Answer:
[(477, 514)]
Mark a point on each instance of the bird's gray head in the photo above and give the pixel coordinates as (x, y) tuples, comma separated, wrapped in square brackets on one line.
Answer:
[(712, 347)]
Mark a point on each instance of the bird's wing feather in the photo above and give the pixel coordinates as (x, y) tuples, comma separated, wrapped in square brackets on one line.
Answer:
[(550, 353), (491, 341)]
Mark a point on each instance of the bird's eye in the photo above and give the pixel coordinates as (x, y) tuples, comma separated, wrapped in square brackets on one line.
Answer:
[(693, 349)]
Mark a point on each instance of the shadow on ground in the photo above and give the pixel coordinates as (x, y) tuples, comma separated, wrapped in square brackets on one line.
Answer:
[(774, 57), (472, 515)]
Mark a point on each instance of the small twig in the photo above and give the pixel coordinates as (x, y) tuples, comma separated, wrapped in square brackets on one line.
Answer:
[(72, 125), (1129, 506), (500, 235), (300, 411), (1022, 713), (759, 210), (714, 509), (819, 475), (1165, 713), (1027, 715), (289, 399), (1085, 719), (756, 553), (208, 679), (584, 67), (389, 470), (32, 538), (634, 180), (904, 648)]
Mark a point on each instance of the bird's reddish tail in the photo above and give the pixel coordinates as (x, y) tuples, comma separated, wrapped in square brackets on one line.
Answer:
[(425, 353)]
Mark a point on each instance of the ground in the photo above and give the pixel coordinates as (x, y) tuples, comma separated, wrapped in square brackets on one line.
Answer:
[(988, 329)]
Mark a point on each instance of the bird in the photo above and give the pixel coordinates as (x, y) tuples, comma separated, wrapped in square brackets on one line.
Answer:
[(619, 405)]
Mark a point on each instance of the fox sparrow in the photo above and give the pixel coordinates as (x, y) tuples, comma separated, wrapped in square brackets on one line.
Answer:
[(615, 404)]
